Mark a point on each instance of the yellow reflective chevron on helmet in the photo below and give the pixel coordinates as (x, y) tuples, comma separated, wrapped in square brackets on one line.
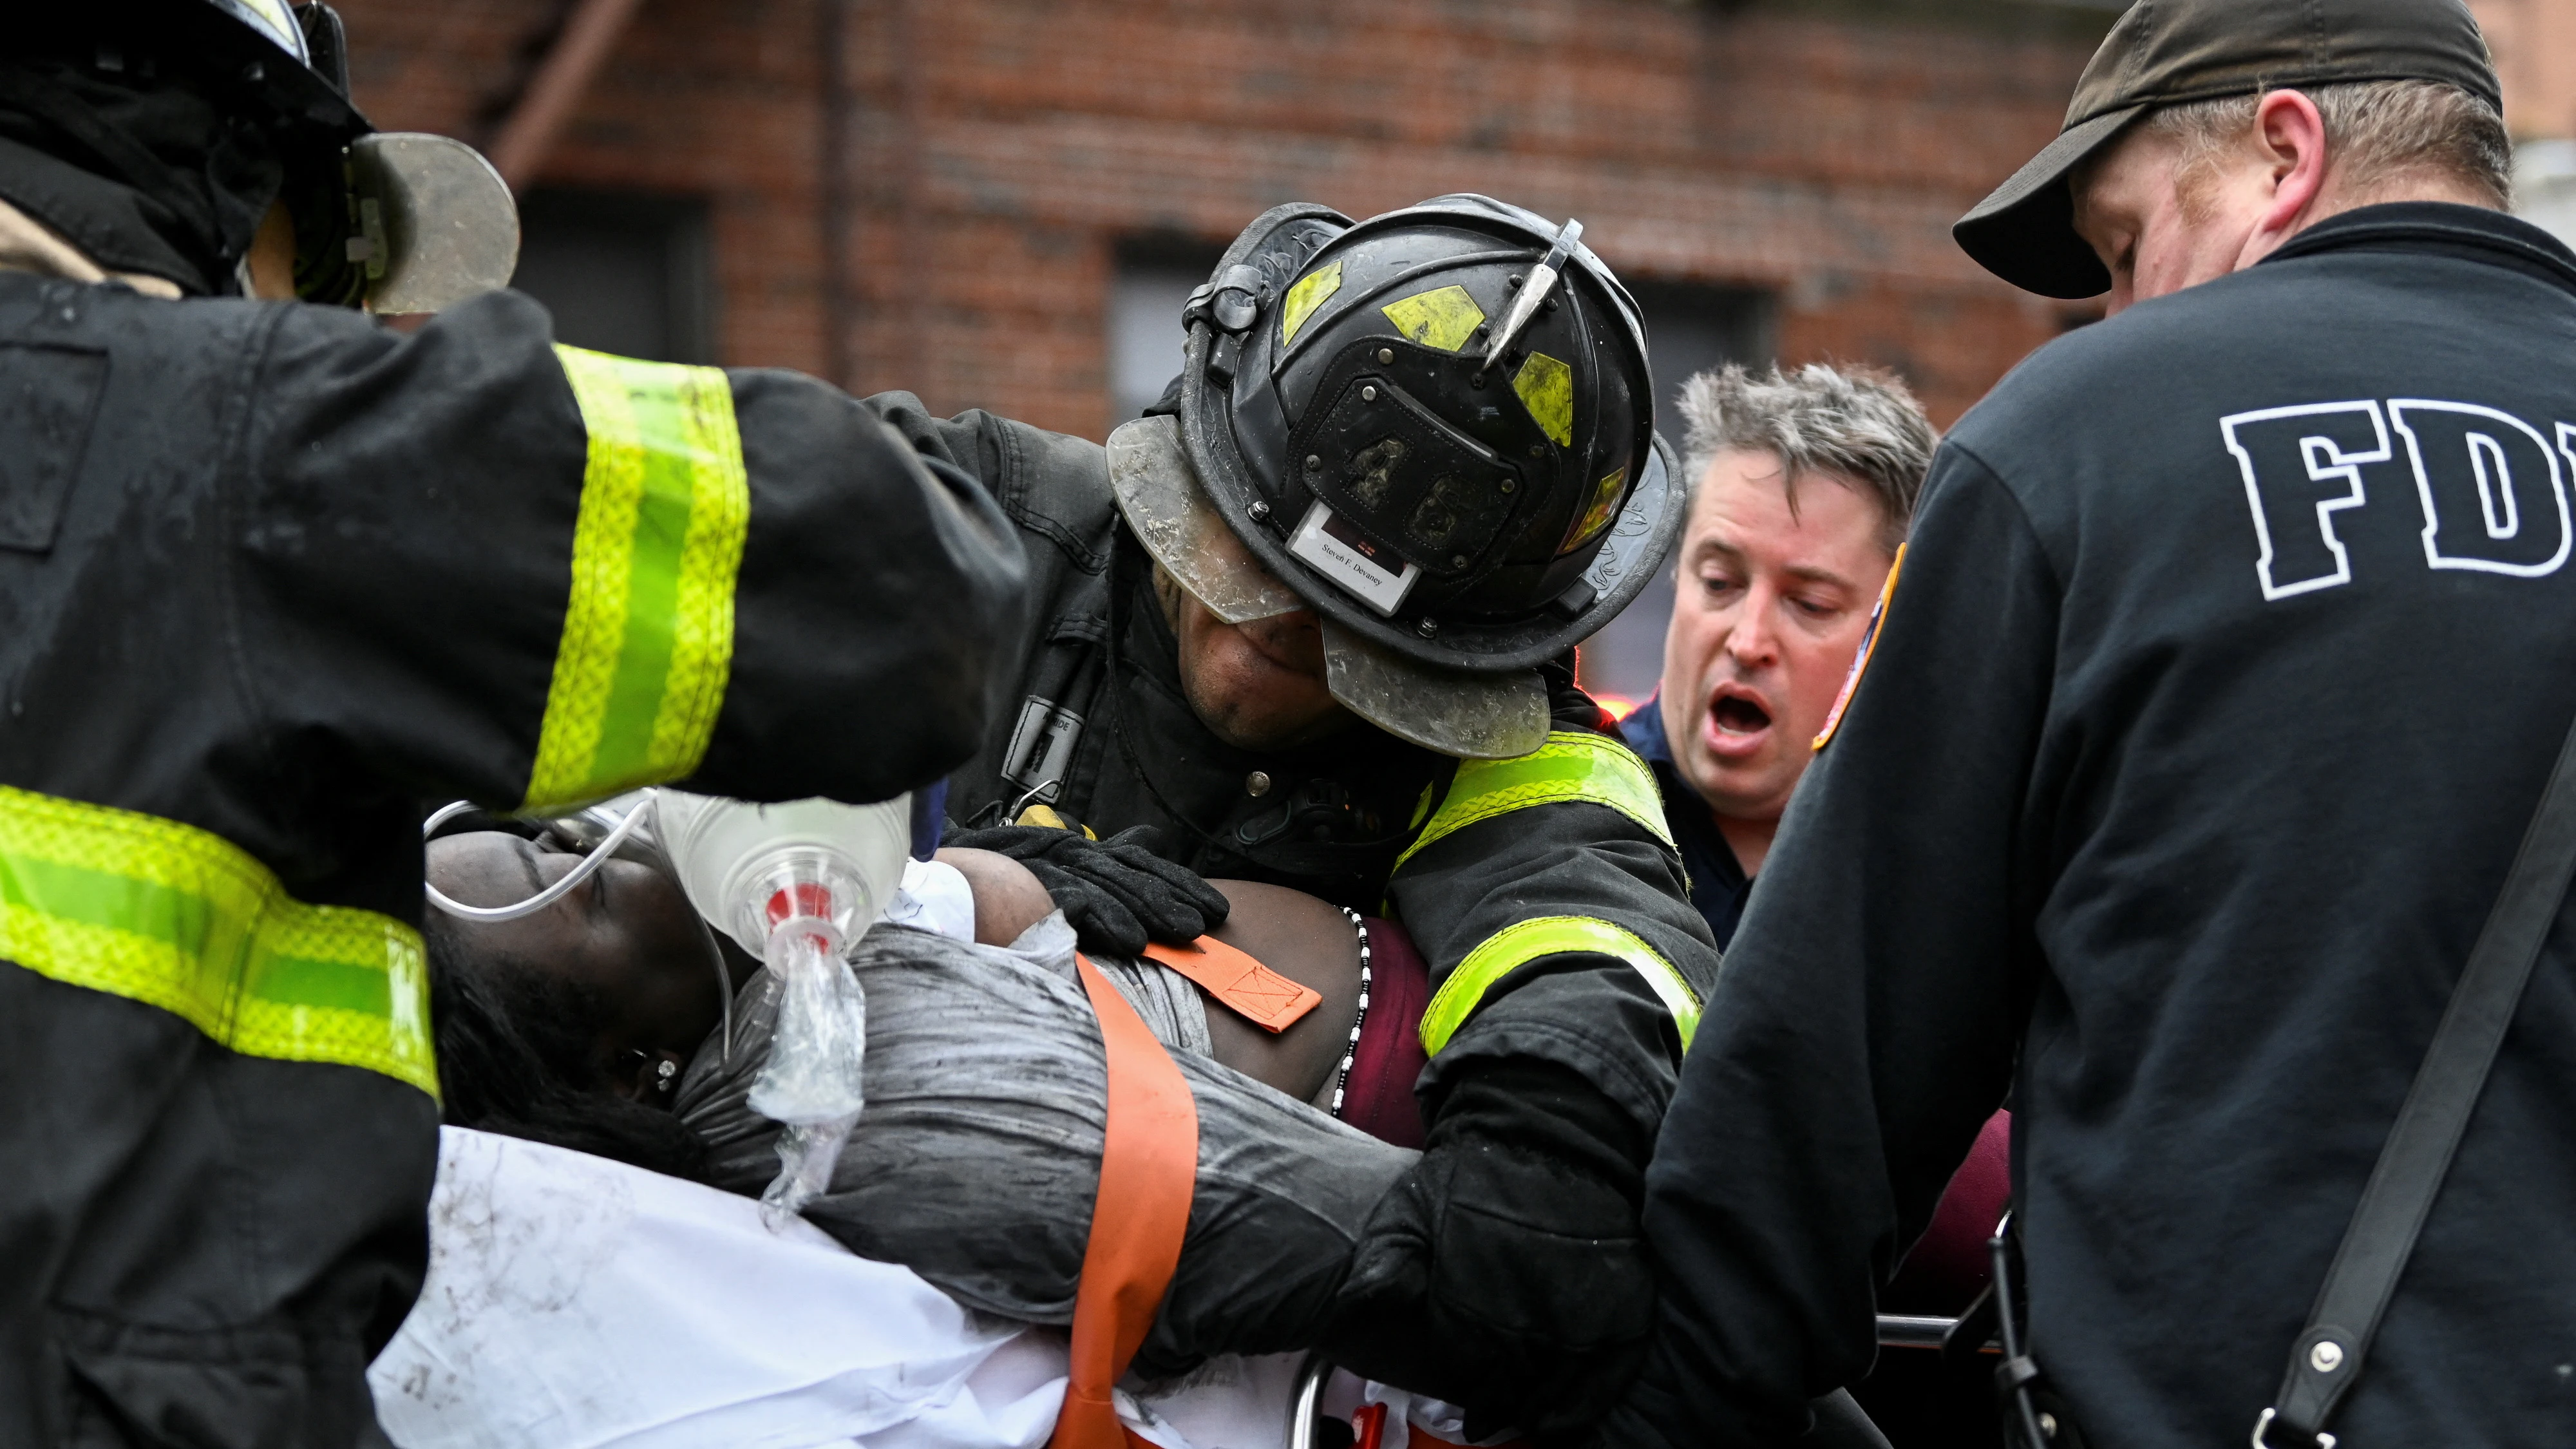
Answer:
[(273, 21), (1311, 292), (1522, 942), (1545, 386), (1574, 766), (1444, 317), (1596, 517), (181, 919), (647, 642)]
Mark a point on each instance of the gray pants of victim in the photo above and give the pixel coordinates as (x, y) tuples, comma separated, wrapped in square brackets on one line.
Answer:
[(977, 1158)]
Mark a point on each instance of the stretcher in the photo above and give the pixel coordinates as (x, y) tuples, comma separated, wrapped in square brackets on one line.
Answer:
[(574, 1302)]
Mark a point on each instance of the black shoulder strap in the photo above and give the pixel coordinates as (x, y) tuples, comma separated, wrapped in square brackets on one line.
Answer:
[(2326, 1361)]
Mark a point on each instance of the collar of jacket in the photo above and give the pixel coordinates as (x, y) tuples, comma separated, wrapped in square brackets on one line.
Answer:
[(2439, 228)]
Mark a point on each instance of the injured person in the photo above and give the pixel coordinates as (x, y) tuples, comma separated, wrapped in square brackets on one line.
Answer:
[(596, 1024)]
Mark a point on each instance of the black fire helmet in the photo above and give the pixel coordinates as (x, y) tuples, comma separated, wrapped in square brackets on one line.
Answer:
[(394, 221), (1436, 429)]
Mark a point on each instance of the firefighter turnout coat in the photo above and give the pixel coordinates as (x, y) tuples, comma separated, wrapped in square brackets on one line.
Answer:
[(271, 577), (1544, 892)]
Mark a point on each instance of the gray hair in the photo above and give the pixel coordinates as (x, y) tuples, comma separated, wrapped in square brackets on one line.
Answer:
[(1858, 425), (2376, 132)]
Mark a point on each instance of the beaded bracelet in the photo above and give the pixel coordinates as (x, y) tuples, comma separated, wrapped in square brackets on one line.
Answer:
[(1350, 1049)]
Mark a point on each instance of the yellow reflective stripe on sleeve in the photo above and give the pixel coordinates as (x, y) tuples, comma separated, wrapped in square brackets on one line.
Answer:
[(178, 918), (648, 633), (1574, 765), (1519, 944)]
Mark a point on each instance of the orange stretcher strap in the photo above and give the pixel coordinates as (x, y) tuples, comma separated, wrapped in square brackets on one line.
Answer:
[(1149, 1167), (1249, 989)]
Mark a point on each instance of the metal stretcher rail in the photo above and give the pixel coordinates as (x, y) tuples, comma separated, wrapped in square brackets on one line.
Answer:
[(1901, 1330)]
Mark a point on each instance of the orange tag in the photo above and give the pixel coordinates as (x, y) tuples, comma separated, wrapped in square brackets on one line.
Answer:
[(1249, 989)]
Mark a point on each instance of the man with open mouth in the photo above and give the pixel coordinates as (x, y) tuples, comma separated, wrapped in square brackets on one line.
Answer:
[(1801, 487)]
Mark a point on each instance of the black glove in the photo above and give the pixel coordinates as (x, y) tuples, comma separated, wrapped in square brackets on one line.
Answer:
[(1508, 1274), (1117, 893)]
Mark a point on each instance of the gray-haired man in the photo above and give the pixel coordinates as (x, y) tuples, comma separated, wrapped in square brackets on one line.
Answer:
[(1802, 485)]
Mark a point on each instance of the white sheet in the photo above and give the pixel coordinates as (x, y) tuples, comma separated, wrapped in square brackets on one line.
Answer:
[(574, 1302), (578, 1303)]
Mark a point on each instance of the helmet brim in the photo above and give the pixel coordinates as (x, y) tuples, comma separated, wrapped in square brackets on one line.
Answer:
[(1475, 716), (1447, 711), (1159, 495)]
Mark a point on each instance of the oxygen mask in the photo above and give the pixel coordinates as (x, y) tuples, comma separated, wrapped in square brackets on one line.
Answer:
[(795, 883)]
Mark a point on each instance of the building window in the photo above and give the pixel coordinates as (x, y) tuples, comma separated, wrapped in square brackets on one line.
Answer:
[(621, 273), (1155, 276), (1689, 330)]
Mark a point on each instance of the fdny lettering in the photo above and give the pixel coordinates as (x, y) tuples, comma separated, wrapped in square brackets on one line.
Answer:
[(2493, 491)]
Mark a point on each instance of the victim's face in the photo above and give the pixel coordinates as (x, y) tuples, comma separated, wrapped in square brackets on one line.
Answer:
[(626, 936)]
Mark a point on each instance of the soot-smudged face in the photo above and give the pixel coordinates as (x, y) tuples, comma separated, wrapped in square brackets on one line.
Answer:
[(1259, 685)]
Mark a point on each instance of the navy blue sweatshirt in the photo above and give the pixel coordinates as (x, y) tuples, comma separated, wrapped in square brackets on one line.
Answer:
[(1718, 884)]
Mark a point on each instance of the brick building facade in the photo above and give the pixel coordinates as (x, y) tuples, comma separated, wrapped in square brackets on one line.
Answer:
[(956, 198), (995, 155), (998, 203)]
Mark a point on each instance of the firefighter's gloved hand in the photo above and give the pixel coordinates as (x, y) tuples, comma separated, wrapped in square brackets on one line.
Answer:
[(1117, 894), (1508, 1274)]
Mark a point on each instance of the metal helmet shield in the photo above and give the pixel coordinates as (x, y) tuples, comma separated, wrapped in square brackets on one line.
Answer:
[(1335, 406)]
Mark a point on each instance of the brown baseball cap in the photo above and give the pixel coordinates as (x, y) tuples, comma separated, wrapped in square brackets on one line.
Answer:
[(2167, 51)]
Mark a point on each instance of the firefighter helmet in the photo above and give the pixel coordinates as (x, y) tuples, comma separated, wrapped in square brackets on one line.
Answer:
[(1436, 429), (394, 221)]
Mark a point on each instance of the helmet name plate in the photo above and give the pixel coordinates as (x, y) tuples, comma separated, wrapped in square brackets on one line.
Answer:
[(1341, 553)]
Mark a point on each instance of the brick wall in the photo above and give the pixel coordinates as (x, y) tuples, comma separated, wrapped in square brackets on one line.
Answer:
[(1000, 148), (2534, 42)]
